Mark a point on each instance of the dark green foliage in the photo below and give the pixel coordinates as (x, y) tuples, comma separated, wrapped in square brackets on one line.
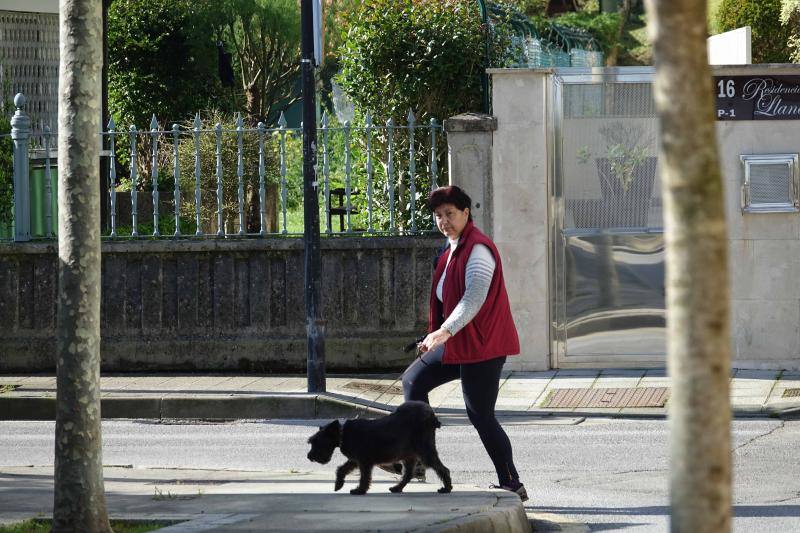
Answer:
[(770, 37), (166, 227), (263, 37), (602, 26), (401, 55), (531, 8), (162, 59), (6, 157), (414, 54)]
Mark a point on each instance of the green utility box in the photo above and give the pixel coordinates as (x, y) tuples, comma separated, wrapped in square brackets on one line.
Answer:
[(38, 191)]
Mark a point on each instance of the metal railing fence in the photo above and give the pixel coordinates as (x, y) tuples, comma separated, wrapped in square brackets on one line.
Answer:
[(211, 179)]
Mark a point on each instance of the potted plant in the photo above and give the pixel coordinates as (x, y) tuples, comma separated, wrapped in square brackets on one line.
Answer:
[(626, 173)]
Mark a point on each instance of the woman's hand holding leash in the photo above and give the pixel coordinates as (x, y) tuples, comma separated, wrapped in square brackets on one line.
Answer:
[(434, 340)]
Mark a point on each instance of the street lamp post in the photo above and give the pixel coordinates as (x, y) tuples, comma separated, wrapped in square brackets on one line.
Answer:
[(315, 329)]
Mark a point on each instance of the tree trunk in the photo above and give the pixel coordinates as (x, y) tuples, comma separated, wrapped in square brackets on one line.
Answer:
[(79, 498), (270, 210), (624, 14), (697, 270)]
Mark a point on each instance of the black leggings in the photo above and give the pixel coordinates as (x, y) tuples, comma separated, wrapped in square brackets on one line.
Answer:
[(479, 383)]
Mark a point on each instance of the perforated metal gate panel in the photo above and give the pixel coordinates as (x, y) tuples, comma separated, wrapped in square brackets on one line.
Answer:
[(29, 57), (609, 137), (608, 273)]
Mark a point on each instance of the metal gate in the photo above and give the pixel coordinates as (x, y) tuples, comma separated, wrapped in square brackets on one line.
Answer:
[(607, 264)]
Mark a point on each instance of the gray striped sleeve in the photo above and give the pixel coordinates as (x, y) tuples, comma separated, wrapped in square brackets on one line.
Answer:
[(478, 277)]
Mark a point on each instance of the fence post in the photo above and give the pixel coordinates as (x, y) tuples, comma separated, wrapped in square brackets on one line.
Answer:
[(469, 157), (20, 134)]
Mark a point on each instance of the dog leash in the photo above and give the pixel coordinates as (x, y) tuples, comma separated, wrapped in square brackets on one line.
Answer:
[(407, 348)]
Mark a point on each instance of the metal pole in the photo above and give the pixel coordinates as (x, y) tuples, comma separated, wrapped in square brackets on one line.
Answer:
[(484, 75), (315, 328), (20, 134)]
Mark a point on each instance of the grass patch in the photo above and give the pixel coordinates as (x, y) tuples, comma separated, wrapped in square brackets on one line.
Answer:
[(7, 387), (42, 525)]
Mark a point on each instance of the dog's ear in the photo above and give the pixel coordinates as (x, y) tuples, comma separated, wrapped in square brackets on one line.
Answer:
[(333, 430)]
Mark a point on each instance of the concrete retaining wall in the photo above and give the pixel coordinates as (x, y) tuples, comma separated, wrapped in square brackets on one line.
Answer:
[(225, 305)]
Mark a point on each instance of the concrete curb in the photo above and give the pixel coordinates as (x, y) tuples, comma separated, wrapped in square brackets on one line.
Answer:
[(202, 407), (301, 406), (507, 516)]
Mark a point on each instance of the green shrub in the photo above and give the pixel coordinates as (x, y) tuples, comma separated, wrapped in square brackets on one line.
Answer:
[(162, 59), (401, 55), (416, 54), (790, 18), (230, 180), (6, 157), (602, 26), (531, 8), (770, 37)]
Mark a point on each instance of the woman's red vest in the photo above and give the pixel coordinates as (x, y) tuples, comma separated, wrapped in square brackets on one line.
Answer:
[(491, 333)]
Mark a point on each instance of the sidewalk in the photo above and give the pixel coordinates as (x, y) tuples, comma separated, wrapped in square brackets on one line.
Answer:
[(613, 393), (227, 501)]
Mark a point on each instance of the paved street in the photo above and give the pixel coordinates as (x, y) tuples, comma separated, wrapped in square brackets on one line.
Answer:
[(609, 474)]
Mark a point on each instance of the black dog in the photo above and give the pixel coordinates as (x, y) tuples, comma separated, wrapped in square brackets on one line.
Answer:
[(407, 435)]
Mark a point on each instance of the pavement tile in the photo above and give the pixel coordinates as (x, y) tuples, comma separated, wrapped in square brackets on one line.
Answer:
[(238, 383), (110, 384), (748, 384), (571, 383), (746, 400), (655, 382), (525, 383), (263, 384), (294, 384), (752, 388), (514, 401), (14, 380)]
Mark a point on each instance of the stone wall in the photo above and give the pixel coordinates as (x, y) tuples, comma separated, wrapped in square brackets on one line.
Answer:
[(225, 304)]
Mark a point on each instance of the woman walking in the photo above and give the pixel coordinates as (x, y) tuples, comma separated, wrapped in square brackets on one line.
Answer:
[(470, 328)]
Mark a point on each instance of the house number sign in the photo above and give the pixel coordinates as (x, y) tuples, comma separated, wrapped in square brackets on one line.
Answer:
[(757, 97)]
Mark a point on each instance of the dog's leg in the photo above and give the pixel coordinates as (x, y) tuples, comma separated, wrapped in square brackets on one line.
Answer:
[(342, 472), (408, 473), (366, 478), (431, 459)]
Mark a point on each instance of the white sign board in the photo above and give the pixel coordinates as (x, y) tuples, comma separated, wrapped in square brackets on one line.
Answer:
[(730, 48)]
